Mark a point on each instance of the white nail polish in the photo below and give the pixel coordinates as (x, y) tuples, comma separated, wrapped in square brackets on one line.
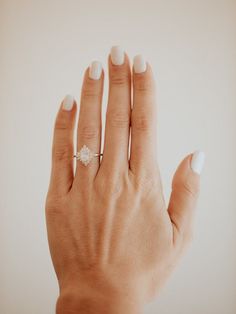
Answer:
[(68, 102), (95, 70), (117, 55), (197, 161), (139, 64)]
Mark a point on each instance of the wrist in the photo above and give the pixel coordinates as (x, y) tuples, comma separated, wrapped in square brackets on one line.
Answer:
[(71, 303), (96, 292)]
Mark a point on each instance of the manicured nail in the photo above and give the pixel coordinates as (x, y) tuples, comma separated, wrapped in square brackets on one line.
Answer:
[(68, 102), (117, 55), (197, 161), (95, 70), (139, 64)]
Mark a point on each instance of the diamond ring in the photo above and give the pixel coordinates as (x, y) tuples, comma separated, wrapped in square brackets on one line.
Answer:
[(85, 155)]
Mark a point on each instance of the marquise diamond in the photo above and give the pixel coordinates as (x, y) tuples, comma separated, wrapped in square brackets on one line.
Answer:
[(85, 155)]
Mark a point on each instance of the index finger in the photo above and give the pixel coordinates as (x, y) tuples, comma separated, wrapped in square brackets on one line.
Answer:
[(143, 118)]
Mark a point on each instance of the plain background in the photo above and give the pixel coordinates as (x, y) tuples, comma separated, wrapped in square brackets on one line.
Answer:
[(45, 48)]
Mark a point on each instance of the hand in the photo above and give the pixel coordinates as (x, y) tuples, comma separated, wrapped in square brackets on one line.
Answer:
[(112, 239)]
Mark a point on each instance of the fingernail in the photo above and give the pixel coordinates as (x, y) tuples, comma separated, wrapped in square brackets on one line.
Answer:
[(117, 55), (95, 70), (139, 64), (197, 161), (68, 102)]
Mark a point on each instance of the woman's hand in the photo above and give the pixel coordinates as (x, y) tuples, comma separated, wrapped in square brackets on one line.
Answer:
[(113, 240)]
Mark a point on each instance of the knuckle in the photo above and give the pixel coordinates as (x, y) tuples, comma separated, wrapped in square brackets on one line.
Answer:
[(148, 182), (190, 189), (143, 84), (119, 76), (62, 124), (89, 132), (187, 186), (53, 205), (53, 210), (141, 121), (90, 90), (62, 153), (112, 185), (118, 119)]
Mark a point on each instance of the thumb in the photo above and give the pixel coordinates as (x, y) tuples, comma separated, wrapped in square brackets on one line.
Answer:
[(185, 191)]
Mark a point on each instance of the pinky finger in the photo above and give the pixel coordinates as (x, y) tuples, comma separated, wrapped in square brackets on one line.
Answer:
[(62, 172)]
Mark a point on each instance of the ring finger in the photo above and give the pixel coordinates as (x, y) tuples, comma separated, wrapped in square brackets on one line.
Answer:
[(89, 124)]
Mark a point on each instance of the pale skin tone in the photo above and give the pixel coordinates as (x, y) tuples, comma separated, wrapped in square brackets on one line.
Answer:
[(113, 239)]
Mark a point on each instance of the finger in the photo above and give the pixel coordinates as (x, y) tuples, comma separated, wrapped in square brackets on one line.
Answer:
[(89, 124), (118, 110), (143, 118), (62, 148), (185, 191)]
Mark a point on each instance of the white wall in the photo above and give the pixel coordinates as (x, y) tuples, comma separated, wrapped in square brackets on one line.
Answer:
[(45, 47)]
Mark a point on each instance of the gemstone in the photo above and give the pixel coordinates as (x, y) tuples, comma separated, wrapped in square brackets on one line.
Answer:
[(85, 155)]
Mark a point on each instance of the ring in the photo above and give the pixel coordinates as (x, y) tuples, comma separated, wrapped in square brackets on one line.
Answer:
[(85, 155)]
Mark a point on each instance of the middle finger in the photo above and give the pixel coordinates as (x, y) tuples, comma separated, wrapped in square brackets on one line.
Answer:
[(117, 129)]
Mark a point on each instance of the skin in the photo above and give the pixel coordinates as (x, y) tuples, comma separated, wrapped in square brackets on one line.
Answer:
[(112, 238)]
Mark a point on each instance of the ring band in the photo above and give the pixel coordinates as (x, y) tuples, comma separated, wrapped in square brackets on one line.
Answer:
[(85, 155)]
